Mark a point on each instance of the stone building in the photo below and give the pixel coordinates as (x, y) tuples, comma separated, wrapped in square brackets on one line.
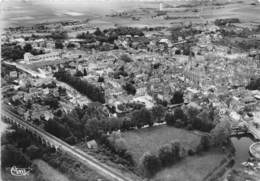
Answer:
[(29, 58)]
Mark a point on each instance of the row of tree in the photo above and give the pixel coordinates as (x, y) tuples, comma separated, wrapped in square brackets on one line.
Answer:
[(98, 35), (192, 118), (16, 52), (183, 32), (224, 22), (109, 35), (92, 122), (137, 119), (84, 87), (168, 154), (254, 84)]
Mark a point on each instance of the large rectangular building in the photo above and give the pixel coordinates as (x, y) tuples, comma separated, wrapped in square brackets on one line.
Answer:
[(29, 58)]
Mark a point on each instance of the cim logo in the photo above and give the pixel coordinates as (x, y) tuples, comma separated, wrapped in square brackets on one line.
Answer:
[(20, 171)]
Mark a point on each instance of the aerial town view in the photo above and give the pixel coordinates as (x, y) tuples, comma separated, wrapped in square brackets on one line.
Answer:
[(130, 90)]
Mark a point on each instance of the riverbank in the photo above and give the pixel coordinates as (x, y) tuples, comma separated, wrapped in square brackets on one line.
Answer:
[(244, 166)]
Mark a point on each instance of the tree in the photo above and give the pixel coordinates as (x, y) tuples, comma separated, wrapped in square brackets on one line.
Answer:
[(94, 128), (52, 101), (12, 52), (126, 123), (130, 89), (126, 58), (72, 140), (176, 150), (175, 33), (12, 156), (85, 72), (33, 151), (179, 114), (221, 132), (56, 129), (22, 139), (157, 113), (71, 45), (177, 98), (59, 45), (79, 73), (203, 121), (60, 35), (178, 119), (192, 112), (166, 155), (114, 124), (98, 32), (205, 142), (254, 84), (100, 79), (27, 47), (120, 145), (150, 164), (93, 92), (142, 117), (169, 118)]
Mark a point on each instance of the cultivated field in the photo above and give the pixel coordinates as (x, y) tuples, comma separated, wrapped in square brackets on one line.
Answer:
[(151, 139), (36, 12)]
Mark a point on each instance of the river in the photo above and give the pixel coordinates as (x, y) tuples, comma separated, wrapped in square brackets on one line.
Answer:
[(241, 145)]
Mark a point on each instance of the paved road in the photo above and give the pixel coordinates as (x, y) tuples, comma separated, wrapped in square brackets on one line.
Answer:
[(31, 72), (83, 157)]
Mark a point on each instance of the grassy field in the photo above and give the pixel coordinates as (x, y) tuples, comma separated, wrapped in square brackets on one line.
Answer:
[(48, 172), (150, 139), (194, 168)]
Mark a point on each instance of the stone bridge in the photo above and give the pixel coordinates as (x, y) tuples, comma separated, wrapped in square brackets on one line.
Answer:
[(33, 130), (54, 142)]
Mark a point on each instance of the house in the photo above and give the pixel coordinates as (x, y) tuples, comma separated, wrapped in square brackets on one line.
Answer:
[(13, 74), (235, 116), (92, 144), (48, 115)]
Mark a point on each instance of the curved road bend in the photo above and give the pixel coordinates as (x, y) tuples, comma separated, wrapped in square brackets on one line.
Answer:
[(83, 157)]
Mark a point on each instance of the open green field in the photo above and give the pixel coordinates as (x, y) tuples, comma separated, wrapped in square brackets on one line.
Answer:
[(151, 139), (194, 168)]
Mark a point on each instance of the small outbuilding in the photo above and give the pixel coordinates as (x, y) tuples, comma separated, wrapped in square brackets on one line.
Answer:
[(92, 144)]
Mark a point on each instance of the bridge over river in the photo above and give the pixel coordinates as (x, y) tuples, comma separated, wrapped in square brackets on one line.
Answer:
[(247, 128)]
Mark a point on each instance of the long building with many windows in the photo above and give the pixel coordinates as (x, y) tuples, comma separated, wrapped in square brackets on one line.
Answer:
[(29, 58)]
